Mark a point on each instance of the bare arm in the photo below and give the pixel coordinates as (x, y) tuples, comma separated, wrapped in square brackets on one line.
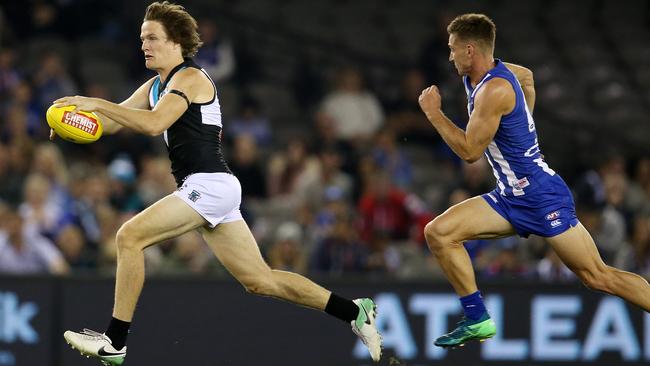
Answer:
[(495, 99), (525, 77), (149, 122), (139, 100)]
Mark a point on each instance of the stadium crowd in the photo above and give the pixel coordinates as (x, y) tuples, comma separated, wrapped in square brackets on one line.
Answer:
[(344, 189)]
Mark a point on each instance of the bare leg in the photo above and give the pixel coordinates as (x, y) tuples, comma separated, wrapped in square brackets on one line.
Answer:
[(165, 219), (470, 219), (237, 250), (578, 251)]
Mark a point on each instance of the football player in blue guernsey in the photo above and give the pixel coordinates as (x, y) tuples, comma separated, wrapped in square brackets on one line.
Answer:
[(181, 104), (530, 198)]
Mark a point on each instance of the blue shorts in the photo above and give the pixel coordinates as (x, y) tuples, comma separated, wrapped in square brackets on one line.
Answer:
[(548, 212)]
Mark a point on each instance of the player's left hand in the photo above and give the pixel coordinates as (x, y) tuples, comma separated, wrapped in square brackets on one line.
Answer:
[(85, 104), (430, 101)]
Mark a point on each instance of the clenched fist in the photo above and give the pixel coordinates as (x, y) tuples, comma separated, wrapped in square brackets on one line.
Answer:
[(430, 101)]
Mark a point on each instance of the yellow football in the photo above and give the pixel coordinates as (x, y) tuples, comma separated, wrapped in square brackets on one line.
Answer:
[(80, 127)]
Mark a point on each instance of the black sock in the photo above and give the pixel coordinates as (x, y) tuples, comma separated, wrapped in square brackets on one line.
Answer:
[(342, 308), (117, 331)]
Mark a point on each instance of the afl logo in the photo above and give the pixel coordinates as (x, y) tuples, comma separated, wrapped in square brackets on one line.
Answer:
[(553, 215)]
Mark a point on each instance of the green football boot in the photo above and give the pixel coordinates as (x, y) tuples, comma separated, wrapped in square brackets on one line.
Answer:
[(468, 330)]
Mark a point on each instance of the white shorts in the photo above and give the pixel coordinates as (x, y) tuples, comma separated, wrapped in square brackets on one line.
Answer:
[(215, 196)]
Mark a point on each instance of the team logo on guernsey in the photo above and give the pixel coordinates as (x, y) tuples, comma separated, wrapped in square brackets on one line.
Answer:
[(194, 196), (80, 121), (553, 215)]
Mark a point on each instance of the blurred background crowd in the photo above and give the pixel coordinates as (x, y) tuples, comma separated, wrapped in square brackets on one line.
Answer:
[(340, 170)]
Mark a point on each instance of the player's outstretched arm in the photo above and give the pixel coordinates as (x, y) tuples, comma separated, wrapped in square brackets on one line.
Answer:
[(525, 77), (149, 122), (495, 99), (139, 100)]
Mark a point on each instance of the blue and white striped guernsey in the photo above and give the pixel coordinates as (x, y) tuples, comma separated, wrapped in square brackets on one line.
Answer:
[(514, 153)]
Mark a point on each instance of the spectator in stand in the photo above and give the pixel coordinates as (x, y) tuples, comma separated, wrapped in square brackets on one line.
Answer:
[(16, 127), (45, 19), (76, 252), (389, 211), (506, 264), (251, 122), (154, 181), (636, 257), (616, 193), (85, 183), (551, 269), (637, 199), (123, 195), (642, 175), (334, 204), (476, 178), (11, 189), (216, 55), (22, 98), (287, 252), (340, 250), (188, 254), (40, 210), (606, 224), (51, 80), (327, 138), (389, 157), (48, 161), (24, 251), (312, 189), (435, 52), (404, 116), (9, 76), (356, 111), (247, 166), (108, 222), (288, 168)]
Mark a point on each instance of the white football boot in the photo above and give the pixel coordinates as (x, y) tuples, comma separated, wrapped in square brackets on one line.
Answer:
[(94, 344), (364, 327)]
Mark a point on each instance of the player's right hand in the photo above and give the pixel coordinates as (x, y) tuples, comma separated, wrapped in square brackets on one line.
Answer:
[(430, 100)]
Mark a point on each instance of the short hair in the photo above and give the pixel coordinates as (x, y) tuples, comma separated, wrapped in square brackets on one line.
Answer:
[(475, 27), (179, 25)]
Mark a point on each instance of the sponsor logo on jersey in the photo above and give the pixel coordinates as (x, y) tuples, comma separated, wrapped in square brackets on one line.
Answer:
[(80, 121), (194, 196), (553, 215), (521, 183), (556, 223)]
